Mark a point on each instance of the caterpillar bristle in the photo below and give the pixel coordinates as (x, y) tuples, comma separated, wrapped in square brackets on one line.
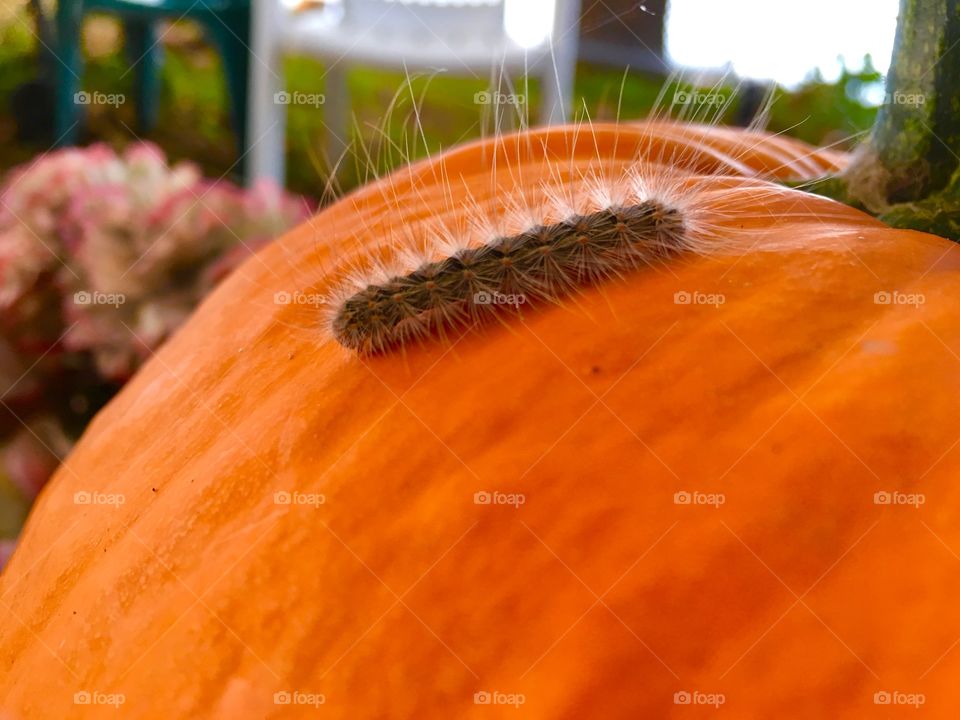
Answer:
[(561, 212), (543, 263)]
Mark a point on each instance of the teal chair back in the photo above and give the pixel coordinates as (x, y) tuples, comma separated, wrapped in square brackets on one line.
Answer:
[(226, 22)]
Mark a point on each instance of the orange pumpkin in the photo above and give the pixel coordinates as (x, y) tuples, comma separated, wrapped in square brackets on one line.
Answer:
[(727, 480)]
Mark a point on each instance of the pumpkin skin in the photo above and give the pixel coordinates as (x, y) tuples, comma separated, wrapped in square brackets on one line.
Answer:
[(798, 398)]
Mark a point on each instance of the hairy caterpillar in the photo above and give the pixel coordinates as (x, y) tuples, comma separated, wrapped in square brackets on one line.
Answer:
[(642, 216), (622, 214), (544, 262)]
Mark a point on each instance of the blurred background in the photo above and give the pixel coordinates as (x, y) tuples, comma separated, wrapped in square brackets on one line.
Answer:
[(827, 57), (148, 146)]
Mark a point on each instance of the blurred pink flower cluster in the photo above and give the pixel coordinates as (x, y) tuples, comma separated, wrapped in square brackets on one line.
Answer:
[(102, 256)]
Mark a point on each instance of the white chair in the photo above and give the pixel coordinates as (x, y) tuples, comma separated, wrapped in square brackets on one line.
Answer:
[(462, 37)]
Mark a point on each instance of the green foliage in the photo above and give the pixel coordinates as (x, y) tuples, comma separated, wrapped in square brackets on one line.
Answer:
[(823, 113), (193, 117)]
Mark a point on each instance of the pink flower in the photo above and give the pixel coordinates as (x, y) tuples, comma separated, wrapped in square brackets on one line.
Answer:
[(103, 256)]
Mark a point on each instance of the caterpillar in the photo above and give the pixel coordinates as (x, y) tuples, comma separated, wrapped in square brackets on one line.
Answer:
[(640, 213), (544, 262)]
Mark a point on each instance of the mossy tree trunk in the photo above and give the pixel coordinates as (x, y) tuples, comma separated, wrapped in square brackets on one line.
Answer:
[(908, 172)]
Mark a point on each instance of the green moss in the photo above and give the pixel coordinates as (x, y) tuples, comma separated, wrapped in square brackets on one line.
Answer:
[(916, 136), (938, 215)]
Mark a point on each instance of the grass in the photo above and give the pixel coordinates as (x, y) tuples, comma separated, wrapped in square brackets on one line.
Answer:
[(194, 99)]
